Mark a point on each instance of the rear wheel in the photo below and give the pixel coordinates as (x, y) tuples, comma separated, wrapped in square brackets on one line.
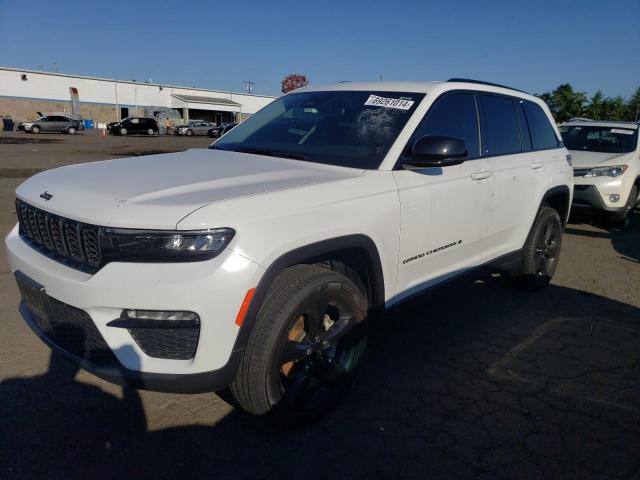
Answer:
[(541, 251), (305, 348), (35, 129)]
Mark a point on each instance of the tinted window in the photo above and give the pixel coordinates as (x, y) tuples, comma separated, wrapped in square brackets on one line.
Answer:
[(542, 133), (500, 122), (454, 115), (524, 126)]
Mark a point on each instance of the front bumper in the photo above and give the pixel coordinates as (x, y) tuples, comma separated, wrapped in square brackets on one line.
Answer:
[(213, 289), (593, 193)]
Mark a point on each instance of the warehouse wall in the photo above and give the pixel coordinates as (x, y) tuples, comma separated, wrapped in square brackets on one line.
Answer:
[(26, 109), (42, 86)]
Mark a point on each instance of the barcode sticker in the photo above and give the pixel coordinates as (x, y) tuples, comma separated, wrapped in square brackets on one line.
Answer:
[(399, 103), (624, 132)]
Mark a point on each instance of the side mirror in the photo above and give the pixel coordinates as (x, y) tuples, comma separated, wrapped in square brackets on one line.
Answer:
[(436, 151)]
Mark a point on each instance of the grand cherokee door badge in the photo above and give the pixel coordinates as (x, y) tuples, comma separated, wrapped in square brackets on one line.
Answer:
[(431, 252)]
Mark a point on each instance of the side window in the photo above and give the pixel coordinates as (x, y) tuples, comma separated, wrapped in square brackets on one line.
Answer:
[(501, 133), (454, 115), (135, 120), (524, 127), (542, 134)]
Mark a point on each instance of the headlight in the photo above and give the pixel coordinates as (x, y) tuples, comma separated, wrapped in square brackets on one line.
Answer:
[(606, 171), (120, 244), (27, 125)]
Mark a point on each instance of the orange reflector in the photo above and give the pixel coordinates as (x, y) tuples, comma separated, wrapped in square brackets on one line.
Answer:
[(244, 307)]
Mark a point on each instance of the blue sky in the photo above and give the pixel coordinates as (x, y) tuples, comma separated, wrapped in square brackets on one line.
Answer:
[(532, 45)]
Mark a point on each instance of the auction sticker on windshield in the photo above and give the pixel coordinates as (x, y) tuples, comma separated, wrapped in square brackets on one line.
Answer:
[(624, 132), (399, 103)]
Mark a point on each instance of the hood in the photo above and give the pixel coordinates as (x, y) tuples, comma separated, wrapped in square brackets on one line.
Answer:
[(157, 191), (584, 159)]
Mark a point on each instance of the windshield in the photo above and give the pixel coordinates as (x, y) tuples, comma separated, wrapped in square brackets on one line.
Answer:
[(599, 139), (347, 128)]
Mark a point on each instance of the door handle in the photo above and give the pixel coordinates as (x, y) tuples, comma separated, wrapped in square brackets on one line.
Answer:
[(536, 165), (481, 175)]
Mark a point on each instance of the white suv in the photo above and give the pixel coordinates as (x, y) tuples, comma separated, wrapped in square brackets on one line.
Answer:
[(254, 265), (606, 165)]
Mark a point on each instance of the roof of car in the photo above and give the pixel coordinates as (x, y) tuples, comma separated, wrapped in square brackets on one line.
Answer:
[(600, 123), (422, 87)]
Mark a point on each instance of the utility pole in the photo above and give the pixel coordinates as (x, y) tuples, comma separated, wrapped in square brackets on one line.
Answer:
[(55, 67), (249, 86)]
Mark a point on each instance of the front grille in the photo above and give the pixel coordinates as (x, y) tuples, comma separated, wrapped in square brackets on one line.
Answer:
[(74, 243), (170, 343), (580, 172)]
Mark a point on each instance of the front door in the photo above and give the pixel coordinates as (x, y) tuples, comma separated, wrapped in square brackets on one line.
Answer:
[(445, 212)]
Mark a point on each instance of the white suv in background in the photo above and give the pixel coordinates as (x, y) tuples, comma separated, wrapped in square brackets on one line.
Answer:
[(256, 264), (606, 165)]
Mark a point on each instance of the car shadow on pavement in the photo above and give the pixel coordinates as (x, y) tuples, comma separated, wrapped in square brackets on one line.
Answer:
[(474, 380), (625, 241)]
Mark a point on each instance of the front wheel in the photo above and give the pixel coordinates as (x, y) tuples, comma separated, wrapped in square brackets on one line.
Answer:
[(123, 131), (541, 251), (71, 131), (189, 133), (35, 129), (622, 220), (303, 353), (150, 131)]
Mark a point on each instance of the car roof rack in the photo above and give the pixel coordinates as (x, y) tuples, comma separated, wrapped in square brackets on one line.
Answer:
[(481, 82)]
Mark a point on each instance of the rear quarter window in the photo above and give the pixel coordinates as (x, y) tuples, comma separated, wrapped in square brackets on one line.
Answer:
[(543, 136)]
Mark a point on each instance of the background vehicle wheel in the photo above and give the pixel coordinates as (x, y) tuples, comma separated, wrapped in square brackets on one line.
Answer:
[(189, 133), (304, 350), (541, 251), (123, 131), (71, 131), (622, 220), (35, 129), (150, 131)]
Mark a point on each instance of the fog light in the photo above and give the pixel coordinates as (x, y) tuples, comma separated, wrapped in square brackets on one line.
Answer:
[(160, 315), (614, 198)]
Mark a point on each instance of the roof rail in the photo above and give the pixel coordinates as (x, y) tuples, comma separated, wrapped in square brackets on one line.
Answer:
[(481, 82), (580, 119)]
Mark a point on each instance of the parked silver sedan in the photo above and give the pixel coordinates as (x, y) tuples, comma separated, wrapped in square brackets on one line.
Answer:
[(194, 127)]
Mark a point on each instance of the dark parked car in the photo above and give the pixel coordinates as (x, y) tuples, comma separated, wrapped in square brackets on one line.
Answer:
[(130, 125), (52, 123), (220, 130)]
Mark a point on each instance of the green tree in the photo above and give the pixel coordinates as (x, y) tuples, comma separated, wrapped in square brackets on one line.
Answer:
[(633, 106), (595, 107)]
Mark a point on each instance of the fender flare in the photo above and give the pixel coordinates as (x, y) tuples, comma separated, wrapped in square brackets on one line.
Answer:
[(560, 189), (302, 255)]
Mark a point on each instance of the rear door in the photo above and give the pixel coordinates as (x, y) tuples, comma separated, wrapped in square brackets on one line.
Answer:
[(519, 165), (444, 211)]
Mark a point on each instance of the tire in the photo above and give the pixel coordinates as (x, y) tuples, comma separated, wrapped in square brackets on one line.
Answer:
[(35, 129), (71, 131), (123, 131), (622, 220), (541, 251), (189, 133), (306, 345), (150, 131)]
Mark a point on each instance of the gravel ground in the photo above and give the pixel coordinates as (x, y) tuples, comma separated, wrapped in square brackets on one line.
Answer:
[(475, 380)]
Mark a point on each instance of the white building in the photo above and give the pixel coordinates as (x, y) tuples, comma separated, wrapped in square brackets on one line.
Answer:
[(24, 93)]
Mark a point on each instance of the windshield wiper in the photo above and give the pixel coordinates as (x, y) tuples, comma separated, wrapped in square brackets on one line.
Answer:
[(270, 153)]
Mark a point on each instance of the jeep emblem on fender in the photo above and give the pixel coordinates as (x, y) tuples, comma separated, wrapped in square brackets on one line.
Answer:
[(46, 195)]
